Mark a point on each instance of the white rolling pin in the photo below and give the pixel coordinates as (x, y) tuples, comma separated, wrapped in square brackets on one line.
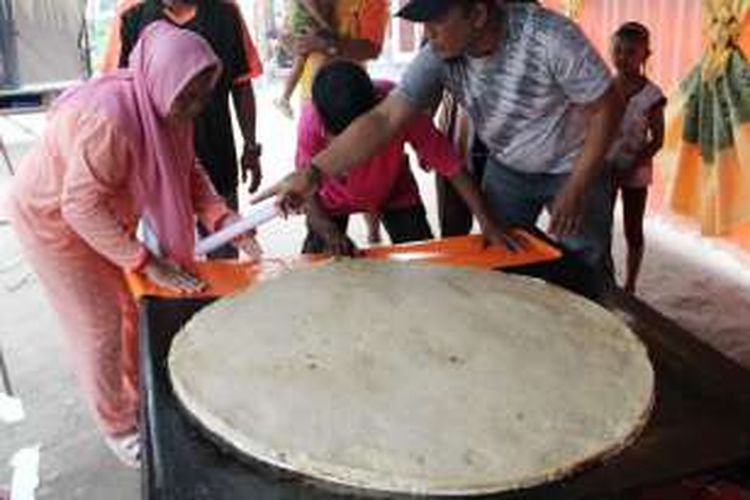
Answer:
[(256, 215)]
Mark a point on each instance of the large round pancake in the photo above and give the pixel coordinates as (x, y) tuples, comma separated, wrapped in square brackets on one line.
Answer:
[(414, 378)]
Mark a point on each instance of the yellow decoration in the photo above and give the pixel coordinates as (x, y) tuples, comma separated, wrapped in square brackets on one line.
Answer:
[(723, 27), (573, 8)]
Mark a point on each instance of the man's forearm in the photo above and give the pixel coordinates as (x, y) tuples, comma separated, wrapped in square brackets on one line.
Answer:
[(363, 138), (243, 97), (602, 126), (467, 188)]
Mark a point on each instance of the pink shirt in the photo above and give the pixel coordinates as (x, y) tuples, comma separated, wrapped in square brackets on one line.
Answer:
[(76, 183), (385, 180)]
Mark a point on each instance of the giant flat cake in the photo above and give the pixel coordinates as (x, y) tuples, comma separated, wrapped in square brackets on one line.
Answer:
[(414, 378)]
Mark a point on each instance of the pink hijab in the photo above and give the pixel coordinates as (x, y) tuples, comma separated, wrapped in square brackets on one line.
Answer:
[(138, 99)]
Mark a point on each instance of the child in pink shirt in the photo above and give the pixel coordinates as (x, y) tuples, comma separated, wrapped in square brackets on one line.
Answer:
[(383, 184)]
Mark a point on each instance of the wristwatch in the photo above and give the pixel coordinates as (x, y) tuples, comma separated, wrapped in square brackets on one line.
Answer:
[(254, 148)]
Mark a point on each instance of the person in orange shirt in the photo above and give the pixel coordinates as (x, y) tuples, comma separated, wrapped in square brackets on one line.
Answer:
[(303, 16), (116, 149), (360, 33), (221, 24)]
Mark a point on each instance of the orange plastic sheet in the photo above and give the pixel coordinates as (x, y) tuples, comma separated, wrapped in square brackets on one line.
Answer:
[(227, 277)]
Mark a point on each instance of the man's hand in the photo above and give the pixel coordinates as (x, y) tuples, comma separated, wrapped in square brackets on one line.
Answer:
[(251, 164), (500, 234), (495, 232), (169, 275), (292, 191), (568, 209), (603, 117)]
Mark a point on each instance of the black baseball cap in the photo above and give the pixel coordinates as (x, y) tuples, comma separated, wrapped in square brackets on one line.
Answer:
[(420, 11)]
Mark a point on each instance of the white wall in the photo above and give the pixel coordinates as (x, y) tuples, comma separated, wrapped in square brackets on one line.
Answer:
[(48, 34)]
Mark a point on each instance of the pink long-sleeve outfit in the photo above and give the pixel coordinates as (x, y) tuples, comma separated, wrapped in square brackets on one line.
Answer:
[(75, 204)]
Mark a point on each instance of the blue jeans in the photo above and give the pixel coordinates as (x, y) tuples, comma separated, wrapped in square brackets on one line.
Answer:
[(519, 198)]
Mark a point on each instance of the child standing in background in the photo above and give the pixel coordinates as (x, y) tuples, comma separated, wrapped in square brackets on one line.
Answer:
[(304, 16), (640, 137)]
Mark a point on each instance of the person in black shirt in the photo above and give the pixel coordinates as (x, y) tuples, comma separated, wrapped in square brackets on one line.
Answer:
[(220, 23)]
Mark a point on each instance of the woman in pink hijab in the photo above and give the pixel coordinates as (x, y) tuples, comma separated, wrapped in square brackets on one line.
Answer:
[(118, 148)]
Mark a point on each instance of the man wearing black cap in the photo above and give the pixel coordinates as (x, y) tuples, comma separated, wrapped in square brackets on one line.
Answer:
[(541, 99)]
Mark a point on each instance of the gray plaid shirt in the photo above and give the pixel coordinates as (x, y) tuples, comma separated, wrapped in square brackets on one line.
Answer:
[(525, 98)]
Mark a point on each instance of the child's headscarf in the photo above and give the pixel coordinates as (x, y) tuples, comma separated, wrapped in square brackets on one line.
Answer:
[(162, 63)]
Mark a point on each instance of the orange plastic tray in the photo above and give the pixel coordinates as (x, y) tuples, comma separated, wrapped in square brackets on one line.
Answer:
[(227, 277)]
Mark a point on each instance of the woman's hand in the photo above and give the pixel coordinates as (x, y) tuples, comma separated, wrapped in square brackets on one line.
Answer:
[(169, 275), (248, 244)]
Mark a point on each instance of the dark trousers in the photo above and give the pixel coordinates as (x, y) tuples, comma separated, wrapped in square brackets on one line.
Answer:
[(401, 224), (454, 216), (520, 197)]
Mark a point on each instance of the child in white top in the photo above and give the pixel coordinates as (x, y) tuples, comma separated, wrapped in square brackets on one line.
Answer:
[(640, 137)]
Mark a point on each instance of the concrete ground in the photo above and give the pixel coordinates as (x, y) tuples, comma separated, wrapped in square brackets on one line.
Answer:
[(704, 287)]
